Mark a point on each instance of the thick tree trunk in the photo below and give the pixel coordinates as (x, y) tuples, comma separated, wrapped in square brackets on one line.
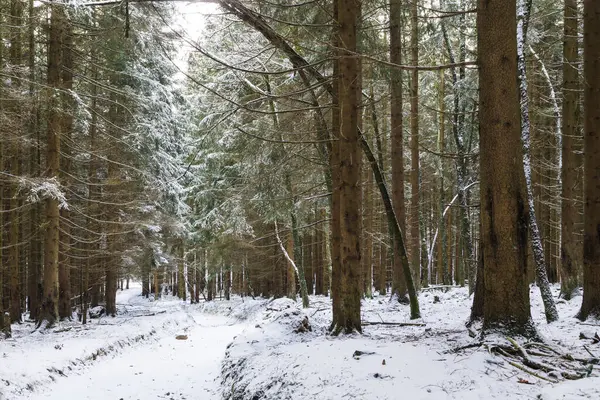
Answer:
[(591, 101), (504, 209), (570, 254), (347, 319)]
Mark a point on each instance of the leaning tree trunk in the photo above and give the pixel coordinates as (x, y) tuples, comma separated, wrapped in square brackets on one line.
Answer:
[(591, 102), (249, 17), (536, 239)]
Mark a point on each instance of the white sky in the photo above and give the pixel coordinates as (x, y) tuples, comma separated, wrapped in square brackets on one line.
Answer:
[(192, 22), (193, 16)]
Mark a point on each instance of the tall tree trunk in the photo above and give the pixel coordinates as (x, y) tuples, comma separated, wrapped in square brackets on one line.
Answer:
[(591, 102), (570, 254), (347, 319), (536, 239), (398, 282), (504, 209), (367, 255), (16, 58), (334, 157), (415, 234), (462, 161), (64, 268), (441, 149), (49, 309), (34, 268)]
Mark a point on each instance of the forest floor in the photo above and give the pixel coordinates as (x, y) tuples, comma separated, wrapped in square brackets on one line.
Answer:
[(270, 361), (247, 349)]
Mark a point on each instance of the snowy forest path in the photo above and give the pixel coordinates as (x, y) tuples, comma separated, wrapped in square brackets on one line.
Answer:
[(160, 368), (164, 369)]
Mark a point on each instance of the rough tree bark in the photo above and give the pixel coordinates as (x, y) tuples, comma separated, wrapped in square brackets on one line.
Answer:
[(347, 318), (591, 102), (504, 211)]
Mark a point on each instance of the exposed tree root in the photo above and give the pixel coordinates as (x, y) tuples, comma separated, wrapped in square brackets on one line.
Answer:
[(543, 361)]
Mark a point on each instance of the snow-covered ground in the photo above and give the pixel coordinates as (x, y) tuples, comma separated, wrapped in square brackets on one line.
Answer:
[(270, 361), (248, 349)]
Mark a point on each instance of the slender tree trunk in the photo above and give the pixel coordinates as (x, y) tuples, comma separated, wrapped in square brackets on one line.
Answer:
[(368, 235), (536, 239), (570, 255), (181, 291), (227, 281), (64, 268), (318, 261), (398, 282), (415, 234), (49, 309), (477, 309), (190, 279), (591, 101), (307, 261), (291, 274), (34, 268), (504, 209), (16, 58), (335, 226)]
